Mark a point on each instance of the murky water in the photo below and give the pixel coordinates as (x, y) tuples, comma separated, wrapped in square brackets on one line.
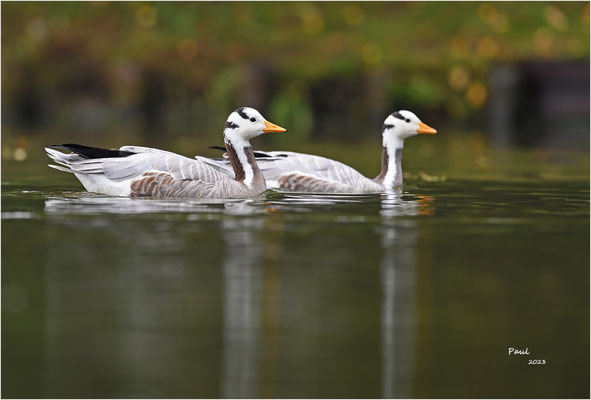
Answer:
[(288, 295)]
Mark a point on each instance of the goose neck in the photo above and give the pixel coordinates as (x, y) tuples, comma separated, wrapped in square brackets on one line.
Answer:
[(391, 173), (244, 164)]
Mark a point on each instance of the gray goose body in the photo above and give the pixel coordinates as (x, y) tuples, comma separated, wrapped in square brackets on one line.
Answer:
[(147, 172), (310, 173)]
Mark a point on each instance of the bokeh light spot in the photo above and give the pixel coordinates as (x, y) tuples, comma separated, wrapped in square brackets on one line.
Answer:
[(491, 16), (20, 154), (372, 54), (556, 18), (487, 47), (476, 94), (458, 77), (312, 19), (353, 14), (486, 12), (146, 16), (543, 42)]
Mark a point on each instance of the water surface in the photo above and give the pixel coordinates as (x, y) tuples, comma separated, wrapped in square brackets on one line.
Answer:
[(291, 295)]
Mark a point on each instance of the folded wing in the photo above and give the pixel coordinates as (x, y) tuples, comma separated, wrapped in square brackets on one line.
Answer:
[(114, 176)]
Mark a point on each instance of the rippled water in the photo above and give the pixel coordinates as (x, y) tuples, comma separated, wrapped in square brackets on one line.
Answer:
[(289, 295)]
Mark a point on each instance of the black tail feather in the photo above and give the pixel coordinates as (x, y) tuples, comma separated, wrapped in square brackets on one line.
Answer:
[(91, 152)]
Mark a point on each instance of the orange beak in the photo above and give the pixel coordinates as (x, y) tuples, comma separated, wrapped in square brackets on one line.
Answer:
[(271, 127), (424, 128)]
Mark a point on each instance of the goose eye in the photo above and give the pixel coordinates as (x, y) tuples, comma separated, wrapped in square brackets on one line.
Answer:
[(407, 120), (253, 119)]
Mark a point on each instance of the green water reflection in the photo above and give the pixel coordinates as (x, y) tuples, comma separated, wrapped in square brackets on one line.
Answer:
[(418, 295)]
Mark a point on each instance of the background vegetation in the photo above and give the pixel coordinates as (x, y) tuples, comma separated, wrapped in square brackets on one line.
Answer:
[(107, 73)]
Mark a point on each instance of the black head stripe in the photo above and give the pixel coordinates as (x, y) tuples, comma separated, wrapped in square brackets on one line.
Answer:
[(241, 112), (387, 126), (230, 125), (398, 115)]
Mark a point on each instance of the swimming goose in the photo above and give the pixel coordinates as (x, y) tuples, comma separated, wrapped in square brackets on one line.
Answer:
[(146, 172), (310, 173)]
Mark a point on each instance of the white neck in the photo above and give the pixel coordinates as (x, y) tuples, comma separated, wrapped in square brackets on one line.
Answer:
[(394, 147), (239, 145)]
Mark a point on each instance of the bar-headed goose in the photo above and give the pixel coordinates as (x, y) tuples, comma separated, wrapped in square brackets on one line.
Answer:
[(147, 172), (310, 173)]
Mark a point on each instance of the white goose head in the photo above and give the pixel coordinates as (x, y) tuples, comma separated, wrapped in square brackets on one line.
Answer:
[(403, 124), (246, 123)]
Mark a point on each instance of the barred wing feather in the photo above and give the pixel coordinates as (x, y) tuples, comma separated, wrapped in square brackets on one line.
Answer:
[(284, 163)]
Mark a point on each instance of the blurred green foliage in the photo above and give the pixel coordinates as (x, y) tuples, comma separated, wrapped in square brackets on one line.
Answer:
[(170, 68)]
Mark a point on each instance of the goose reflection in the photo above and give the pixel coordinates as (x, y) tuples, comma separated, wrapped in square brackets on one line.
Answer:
[(136, 301), (92, 204), (157, 307), (242, 306), (398, 279)]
